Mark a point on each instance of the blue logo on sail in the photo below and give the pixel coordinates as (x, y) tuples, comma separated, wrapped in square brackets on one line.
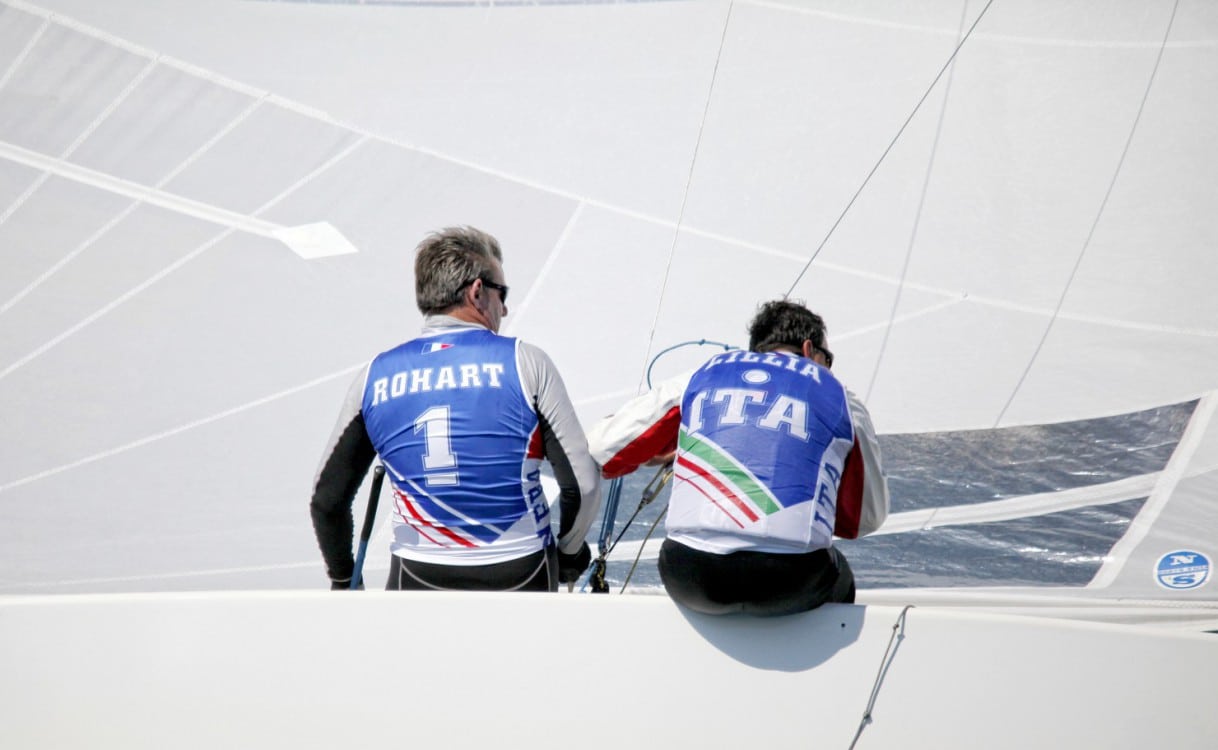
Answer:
[(1182, 569)]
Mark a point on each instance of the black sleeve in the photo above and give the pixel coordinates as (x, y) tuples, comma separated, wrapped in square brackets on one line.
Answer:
[(343, 467), (569, 499)]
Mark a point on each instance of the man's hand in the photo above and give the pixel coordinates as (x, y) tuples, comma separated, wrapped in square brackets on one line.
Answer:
[(571, 566), (661, 460)]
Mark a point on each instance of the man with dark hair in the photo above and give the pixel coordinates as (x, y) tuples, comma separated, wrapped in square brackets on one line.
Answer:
[(774, 457), (461, 417)]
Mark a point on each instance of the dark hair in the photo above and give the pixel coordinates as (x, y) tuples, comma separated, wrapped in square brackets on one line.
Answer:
[(447, 261), (785, 323)]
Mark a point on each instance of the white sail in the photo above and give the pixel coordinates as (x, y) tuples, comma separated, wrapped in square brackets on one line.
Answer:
[(1004, 210)]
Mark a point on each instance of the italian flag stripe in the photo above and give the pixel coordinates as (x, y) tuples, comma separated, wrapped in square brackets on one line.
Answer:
[(723, 490), (741, 481)]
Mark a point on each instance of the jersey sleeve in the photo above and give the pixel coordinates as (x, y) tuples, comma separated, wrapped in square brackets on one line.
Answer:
[(643, 428), (564, 444), (862, 497), (348, 455)]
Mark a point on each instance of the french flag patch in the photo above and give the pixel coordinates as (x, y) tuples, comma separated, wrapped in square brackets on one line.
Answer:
[(436, 346)]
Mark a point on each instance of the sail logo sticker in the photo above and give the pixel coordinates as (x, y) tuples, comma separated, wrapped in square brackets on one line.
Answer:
[(1182, 569)]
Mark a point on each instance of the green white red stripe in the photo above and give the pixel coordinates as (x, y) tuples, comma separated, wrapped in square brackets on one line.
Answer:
[(723, 480)]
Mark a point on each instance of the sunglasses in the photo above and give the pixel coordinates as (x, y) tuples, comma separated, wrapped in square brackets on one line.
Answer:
[(501, 288), (827, 354)]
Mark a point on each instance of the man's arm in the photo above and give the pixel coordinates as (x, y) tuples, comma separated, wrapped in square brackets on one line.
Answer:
[(347, 457), (565, 447), (862, 497), (642, 429)]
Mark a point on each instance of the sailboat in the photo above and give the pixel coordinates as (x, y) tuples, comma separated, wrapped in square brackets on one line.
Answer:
[(1003, 210)]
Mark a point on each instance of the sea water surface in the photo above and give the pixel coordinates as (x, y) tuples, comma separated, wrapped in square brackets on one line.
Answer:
[(932, 470)]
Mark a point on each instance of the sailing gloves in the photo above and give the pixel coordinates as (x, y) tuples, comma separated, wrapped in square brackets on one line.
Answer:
[(571, 566)]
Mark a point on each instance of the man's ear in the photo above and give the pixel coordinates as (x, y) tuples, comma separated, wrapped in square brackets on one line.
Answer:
[(808, 349)]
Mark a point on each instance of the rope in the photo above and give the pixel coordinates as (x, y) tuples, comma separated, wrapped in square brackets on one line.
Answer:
[(913, 232), (635, 564), (653, 488), (699, 342), (893, 143), (890, 654), (689, 180), (1098, 215)]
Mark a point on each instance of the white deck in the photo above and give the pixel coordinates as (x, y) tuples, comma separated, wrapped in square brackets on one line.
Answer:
[(303, 670)]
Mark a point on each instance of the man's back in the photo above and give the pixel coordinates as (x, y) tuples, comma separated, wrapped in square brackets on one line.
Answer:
[(764, 439), (461, 443)]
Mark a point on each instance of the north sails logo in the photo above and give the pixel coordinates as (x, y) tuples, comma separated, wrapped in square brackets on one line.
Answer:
[(1182, 569), (436, 346)]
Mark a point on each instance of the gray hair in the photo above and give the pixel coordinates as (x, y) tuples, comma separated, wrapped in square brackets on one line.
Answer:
[(447, 261)]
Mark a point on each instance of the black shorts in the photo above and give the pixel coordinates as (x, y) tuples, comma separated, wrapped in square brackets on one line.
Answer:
[(535, 572), (756, 583)]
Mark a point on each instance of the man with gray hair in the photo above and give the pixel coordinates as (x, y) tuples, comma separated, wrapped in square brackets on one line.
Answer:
[(461, 418)]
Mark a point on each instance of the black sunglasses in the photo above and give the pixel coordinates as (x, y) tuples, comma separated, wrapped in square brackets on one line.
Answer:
[(828, 355), (501, 288)]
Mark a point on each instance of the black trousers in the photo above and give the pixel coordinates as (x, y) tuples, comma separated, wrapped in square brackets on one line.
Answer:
[(535, 572), (756, 583)]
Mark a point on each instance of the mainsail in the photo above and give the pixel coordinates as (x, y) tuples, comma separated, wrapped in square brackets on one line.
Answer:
[(1004, 212)]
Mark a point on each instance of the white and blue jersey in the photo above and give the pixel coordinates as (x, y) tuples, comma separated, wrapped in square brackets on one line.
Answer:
[(461, 446), (773, 454), (762, 445), (462, 419)]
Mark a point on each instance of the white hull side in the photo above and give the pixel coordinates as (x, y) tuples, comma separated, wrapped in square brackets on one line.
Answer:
[(299, 670)]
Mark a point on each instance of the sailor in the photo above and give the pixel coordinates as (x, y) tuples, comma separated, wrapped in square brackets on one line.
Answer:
[(774, 457), (461, 418)]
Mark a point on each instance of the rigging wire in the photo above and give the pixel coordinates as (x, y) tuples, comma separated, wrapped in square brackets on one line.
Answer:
[(650, 492), (890, 654), (598, 568), (891, 144), (913, 233), (639, 554), (699, 342), (1061, 300), (655, 321)]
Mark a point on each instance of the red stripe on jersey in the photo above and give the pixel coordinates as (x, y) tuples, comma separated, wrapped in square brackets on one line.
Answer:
[(727, 493), (535, 449), (404, 502), (850, 496), (660, 438), (445, 531), (716, 503)]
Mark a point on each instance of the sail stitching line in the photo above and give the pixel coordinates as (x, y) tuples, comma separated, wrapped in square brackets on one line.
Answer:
[(25, 52), (297, 107), (546, 267), (166, 271), (88, 242), (80, 139), (180, 428), (913, 232), (1099, 214), (889, 148), (693, 161)]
